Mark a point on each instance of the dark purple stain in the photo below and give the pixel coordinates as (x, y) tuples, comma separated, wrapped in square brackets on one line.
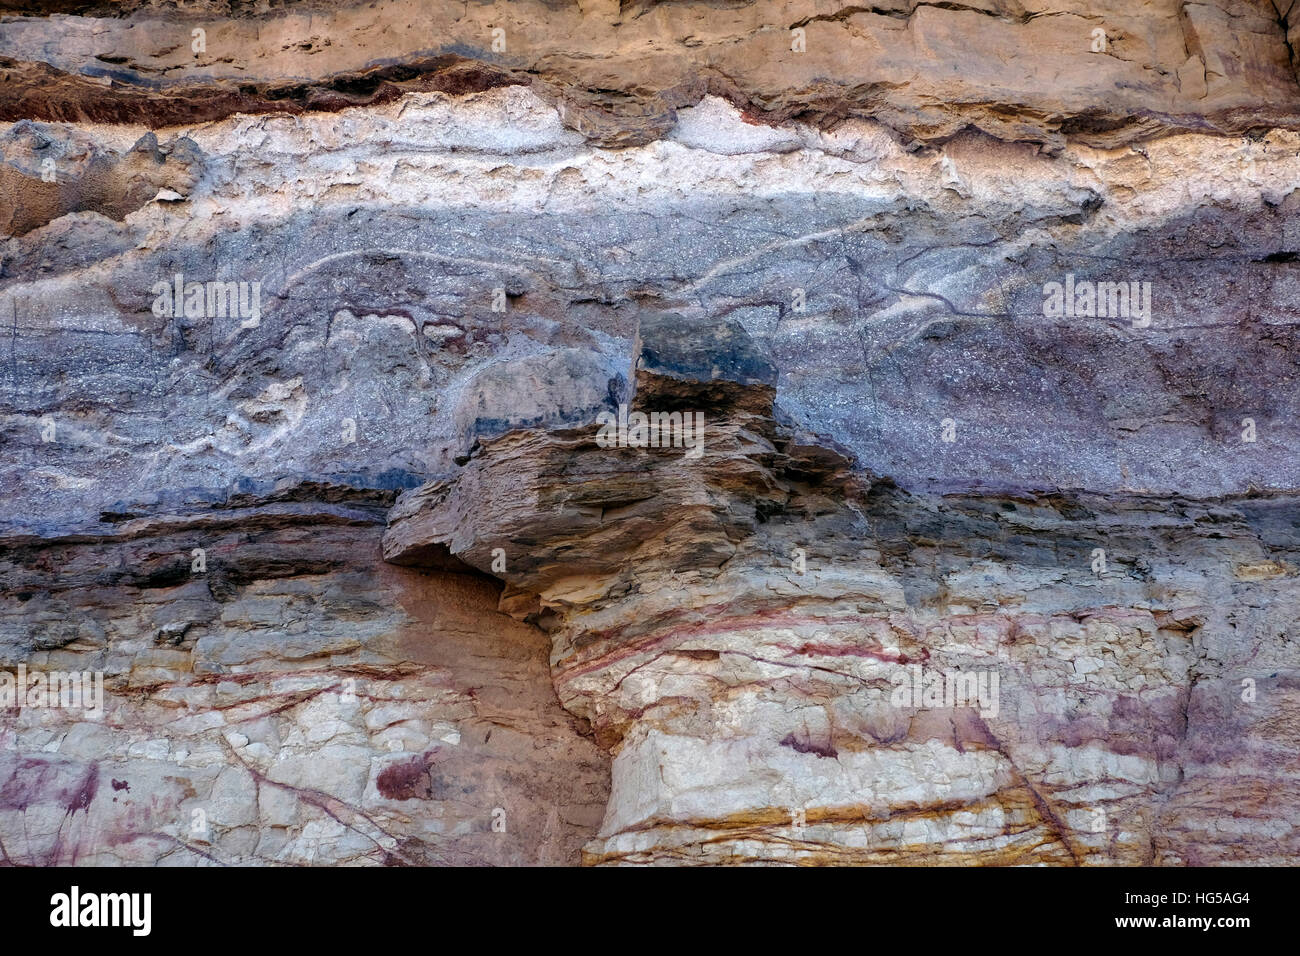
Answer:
[(1136, 726), (808, 747), (32, 781), (121, 785), (407, 780), (64, 783), (84, 792)]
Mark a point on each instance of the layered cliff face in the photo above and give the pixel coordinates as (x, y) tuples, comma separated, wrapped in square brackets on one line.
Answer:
[(650, 433)]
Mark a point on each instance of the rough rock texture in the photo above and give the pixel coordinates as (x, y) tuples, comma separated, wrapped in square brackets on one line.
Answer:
[(49, 171), (298, 701), (349, 544), (734, 628), (1104, 73)]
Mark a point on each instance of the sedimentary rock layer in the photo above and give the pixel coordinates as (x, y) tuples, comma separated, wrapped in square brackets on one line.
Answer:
[(323, 345), (1103, 73), (896, 290)]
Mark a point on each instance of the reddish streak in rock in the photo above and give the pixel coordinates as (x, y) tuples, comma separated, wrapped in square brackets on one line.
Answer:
[(719, 623), (843, 650), (39, 781), (81, 797)]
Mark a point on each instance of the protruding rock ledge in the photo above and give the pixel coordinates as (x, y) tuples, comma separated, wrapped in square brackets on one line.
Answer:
[(681, 472)]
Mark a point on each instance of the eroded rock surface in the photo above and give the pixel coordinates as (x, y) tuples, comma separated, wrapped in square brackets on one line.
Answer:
[(49, 171), (316, 340), (736, 628), (1104, 73), (289, 699)]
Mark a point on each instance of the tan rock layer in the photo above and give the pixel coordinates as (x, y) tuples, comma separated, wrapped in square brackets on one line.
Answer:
[(1103, 74)]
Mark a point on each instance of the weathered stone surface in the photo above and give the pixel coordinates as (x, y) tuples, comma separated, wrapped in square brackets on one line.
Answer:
[(923, 299), (360, 547), (701, 363), (742, 658), (554, 388), (296, 702), (1103, 73), (50, 171)]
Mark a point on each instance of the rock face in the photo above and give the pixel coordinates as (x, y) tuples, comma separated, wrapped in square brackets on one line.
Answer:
[(649, 433), (49, 172), (792, 661), (296, 701), (1103, 73)]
